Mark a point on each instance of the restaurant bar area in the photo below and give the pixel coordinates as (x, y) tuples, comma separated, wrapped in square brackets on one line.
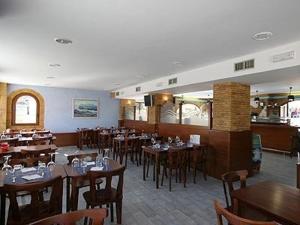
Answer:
[(127, 112)]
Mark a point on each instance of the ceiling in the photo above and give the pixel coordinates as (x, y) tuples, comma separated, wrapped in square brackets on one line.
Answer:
[(117, 43)]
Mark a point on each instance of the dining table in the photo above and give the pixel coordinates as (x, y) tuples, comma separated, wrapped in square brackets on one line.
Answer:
[(78, 173), (279, 202), (15, 151), (57, 170), (161, 151), (27, 140)]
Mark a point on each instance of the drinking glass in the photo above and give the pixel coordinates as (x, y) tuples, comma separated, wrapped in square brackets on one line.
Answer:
[(51, 164), (13, 174), (75, 162), (153, 141), (6, 166), (41, 168), (83, 165)]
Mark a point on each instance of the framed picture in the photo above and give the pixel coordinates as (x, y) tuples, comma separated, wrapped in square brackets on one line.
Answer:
[(85, 108)]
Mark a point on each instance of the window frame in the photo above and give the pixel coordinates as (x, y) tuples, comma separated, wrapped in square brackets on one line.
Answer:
[(14, 101)]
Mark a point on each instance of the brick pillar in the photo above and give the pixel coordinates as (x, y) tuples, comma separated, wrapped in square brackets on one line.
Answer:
[(230, 137), (231, 107), (3, 105)]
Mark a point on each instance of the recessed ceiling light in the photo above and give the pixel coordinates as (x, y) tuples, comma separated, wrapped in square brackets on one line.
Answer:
[(63, 40), (50, 77), (261, 36), (54, 65)]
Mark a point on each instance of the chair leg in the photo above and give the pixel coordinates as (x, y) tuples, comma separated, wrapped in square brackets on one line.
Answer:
[(170, 178), (195, 173), (162, 177), (119, 211), (204, 171), (112, 212)]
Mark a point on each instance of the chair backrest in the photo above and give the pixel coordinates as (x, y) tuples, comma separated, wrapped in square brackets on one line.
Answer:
[(107, 176), (29, 162), (90, 156), (229, 179), (38, 207), (235, 220), (96, 215), (36, 153)]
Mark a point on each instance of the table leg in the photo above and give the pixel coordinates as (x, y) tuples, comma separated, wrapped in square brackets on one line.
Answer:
[(144, 167), (74, 195), (68, 194), (2, 208), (157, 162)]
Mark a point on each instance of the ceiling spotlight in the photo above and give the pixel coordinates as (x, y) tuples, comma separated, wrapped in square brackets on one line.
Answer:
[(256, 99), (63, 40), (50, 77), (261, 36), (177, 63), (54, 65), (290, 96)]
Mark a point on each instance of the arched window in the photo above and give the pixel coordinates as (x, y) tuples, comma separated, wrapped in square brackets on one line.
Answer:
[(25, 109)]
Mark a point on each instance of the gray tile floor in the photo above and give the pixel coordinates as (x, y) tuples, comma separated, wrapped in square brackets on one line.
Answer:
[(143, 204)]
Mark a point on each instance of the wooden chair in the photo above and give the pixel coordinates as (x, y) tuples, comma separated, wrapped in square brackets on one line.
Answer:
[(176, 160), (109, 194), (229, 179), (198, 160), (84, 181), (295, 145), (96, 216), (235, 220), (36, 153), (38, 208), (85, 137), (29, 162), (128, 147)]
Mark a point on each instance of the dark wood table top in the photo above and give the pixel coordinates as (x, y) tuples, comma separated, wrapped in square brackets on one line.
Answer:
[(277, 200), (150, 148), (57, 171), (74, 172), (12, 150)]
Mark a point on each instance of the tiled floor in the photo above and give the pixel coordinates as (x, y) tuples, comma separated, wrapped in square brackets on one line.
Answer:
[(143, 204)]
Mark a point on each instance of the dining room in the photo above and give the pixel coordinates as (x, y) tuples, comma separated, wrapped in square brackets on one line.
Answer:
[(149, 113)]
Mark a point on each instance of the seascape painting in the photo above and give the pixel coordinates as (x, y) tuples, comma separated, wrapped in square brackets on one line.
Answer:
[(85, 108)]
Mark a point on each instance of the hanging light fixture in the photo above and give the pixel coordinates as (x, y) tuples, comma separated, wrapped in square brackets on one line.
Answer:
[(290, 96), (256, 99)]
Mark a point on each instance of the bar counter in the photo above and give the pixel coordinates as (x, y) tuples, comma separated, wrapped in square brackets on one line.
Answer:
[(275, 136)]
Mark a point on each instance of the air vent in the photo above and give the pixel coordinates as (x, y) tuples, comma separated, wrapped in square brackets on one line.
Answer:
[(137, 89), (283, 56), (117, 93), (173, 81), (245, 65)]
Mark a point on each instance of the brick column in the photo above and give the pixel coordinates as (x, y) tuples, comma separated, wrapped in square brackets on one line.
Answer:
[(230, 137), (3, 105), (231, 107)]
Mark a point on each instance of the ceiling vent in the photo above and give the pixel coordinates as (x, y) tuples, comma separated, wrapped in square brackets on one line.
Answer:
[(138, 89), (173, 81), (283, 56), (245, 65)]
